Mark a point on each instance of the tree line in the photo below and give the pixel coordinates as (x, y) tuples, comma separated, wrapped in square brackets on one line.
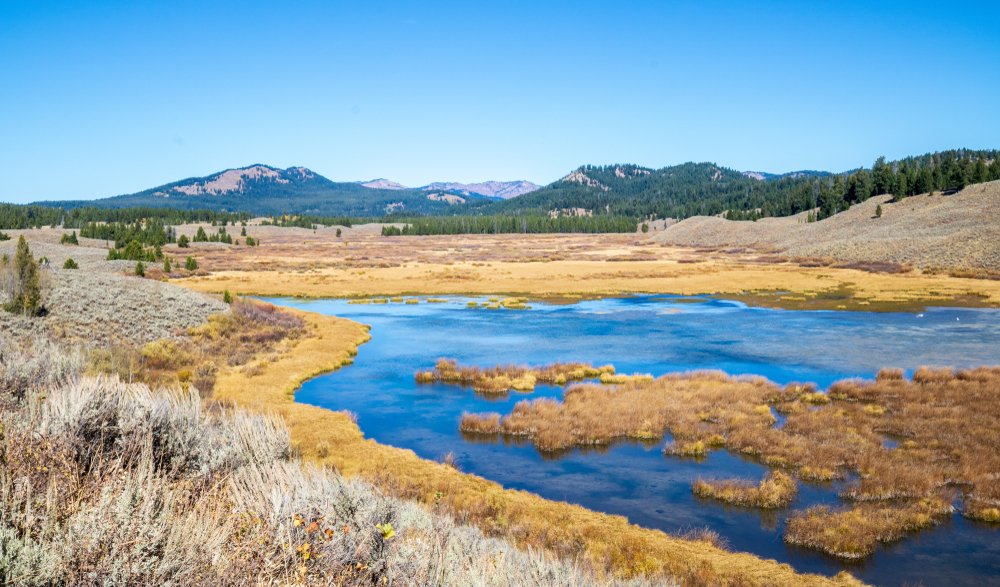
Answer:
[(507, 224)]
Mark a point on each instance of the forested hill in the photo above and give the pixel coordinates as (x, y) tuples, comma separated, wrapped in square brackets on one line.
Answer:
[(693, 189), (265, 190), (620, 191)]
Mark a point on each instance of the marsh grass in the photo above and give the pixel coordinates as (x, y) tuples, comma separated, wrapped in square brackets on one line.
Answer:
[(502, 379), (775, 490), (945, 421), (855, 532)]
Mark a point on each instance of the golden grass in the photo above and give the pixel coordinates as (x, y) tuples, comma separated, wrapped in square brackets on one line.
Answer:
[(501, 379), (775, 490), (607, 541), (692, 406), (946, 421), (854, 533), (542, 266)]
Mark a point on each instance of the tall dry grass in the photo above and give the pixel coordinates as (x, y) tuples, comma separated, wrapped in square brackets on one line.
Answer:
[(945, 421), (775, 490), (501, 379)]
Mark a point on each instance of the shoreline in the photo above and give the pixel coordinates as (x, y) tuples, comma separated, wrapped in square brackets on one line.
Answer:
[(609, 542)]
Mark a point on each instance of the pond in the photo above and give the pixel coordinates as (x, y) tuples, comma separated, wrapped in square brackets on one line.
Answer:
[(657, 335)]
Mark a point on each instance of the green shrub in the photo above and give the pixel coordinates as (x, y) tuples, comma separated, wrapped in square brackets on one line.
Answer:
[(70, 264)]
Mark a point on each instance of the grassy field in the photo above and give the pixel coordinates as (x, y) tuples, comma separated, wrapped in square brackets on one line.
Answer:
[(566, 267)]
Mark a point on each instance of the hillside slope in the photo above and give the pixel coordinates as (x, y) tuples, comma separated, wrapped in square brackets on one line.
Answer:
[(953, 231)]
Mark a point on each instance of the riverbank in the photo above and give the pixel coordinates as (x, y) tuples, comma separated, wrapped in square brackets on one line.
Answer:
[(605, 541)]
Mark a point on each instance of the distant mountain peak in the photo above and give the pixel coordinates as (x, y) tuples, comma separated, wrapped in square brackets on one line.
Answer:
[(490, 189), (382, 183), (236, 180)]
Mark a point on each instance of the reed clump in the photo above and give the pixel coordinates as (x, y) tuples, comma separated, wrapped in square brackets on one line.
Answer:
[(854, 533), (945, 421), (775, 490), (501, 379), (480, 423)]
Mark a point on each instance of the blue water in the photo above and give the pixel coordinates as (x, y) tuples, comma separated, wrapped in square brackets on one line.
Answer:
[(655, 334)]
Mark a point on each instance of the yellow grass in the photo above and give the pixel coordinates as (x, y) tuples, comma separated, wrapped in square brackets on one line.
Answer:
[(541, 266), (775, 490), (607, 541)]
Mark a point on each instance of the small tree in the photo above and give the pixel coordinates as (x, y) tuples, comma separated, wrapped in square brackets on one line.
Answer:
[(190, 264), (166, 264), (878, 211), (645, 227), (69, 239), (243, 231), (251, 242), (26, 297), (338, 233), (227, 297), (70, 264), (183, 242), (201, 236), (140, 269)]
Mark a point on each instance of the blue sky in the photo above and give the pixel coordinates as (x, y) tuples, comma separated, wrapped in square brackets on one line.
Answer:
[(102, 98)]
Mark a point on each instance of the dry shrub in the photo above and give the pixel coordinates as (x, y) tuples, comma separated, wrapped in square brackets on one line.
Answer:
[(113, 483), (875, 266), (775, 490)]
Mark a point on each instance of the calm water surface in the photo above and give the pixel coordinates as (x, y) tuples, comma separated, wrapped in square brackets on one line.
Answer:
[(655, 334)]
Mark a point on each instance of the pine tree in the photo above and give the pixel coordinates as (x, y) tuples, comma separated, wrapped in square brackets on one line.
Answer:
[(227, 297), (878, 211), (338, 233), (190, 264), (166, 264), (200, 236), (27, 294), (183, 242), (140, 269), (70, 264)]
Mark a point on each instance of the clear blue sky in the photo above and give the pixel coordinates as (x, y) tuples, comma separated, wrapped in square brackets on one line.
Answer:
[(100, 98)]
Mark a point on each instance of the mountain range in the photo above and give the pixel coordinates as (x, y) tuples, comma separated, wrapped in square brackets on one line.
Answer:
[(628, 190), (263, 189)]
